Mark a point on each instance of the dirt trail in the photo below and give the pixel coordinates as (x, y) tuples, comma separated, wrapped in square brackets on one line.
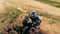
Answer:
[(31, 4)]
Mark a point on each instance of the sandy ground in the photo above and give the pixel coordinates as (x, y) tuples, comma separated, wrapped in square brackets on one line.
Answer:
[(34, 5), (2, 9)]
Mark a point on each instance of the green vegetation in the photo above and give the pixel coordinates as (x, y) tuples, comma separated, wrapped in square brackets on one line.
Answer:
[(8, 17), (10, 14), (53, 3), (53, 19)]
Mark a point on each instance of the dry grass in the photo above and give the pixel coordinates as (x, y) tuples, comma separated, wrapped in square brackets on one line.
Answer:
[(8, 17)]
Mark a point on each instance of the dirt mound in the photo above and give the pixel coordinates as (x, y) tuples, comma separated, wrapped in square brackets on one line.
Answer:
[(18, 22), (44, 28)]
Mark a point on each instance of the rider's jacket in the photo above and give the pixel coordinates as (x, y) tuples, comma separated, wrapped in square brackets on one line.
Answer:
[(32, 15)]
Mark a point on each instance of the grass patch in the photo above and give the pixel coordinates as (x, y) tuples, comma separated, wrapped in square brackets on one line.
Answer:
[(53, 19), (10, 14), (53, 3), (8, 17)]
